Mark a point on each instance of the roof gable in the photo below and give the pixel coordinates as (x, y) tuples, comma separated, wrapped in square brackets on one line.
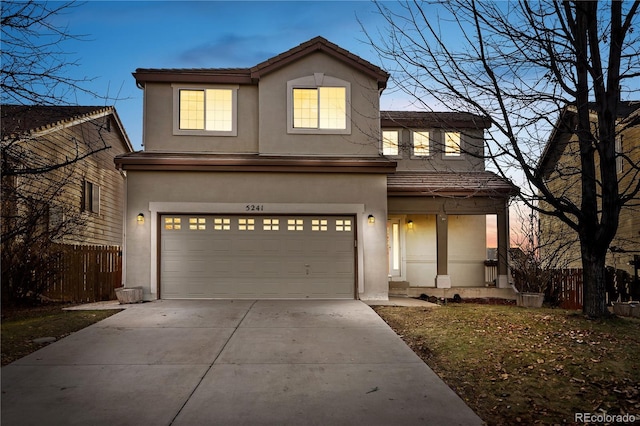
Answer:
[(563, 131), (253, 74), (29, 119), (320, 44)]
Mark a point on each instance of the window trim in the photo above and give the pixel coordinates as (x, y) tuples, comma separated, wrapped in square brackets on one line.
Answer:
[(177, 131), (316, 81)]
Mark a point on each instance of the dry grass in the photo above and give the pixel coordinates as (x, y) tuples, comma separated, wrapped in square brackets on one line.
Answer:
[(21, 326), (513, 365)]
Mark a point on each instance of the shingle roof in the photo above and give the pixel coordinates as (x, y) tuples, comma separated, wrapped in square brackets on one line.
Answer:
[(433, 119), (324, 45), (251, 75), (25, 118), (449, 184)]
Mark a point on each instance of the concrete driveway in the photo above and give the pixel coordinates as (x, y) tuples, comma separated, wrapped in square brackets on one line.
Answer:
[(229, 362)]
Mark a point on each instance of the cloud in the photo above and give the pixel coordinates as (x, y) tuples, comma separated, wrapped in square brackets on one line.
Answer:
[(227, 50)]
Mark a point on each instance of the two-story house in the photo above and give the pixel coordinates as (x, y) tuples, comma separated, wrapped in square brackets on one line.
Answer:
[(285, 180), (58, 174)]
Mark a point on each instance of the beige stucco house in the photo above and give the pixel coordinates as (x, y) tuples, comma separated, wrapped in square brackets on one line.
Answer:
[(285, 180)]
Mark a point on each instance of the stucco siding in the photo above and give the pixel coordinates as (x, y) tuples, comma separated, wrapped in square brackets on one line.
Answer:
[(471, 159), (364, 112), (159, 115), (276, 192), (466, 250)]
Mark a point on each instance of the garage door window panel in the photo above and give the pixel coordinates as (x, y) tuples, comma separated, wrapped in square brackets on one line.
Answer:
[(172, 223), (343, 225), (221, 224), (246, 224), (319, 225), (295, 225), (197, 224), (270, 224)]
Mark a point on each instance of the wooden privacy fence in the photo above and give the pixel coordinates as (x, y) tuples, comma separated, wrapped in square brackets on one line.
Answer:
[(84, 273), (566, 286)]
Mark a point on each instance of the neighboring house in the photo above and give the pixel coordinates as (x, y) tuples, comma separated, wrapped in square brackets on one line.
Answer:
[(58, 165), (275, 182), (560, 165)]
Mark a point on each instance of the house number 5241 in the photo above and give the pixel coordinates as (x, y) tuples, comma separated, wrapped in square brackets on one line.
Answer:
[(254, 207)]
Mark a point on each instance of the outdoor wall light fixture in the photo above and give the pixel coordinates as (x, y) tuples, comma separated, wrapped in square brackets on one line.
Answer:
[(371, 219), (410, 224), (140, 219)]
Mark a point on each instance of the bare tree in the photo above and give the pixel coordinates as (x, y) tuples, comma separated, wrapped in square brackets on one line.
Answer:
[(522, 64), (39, 170), (35, 67)]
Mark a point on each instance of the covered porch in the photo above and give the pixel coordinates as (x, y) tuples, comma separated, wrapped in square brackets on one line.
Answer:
[(436, 234)]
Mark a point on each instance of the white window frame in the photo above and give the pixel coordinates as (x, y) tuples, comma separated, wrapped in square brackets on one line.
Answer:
[(314, 82), (430, 134), (177, 131)]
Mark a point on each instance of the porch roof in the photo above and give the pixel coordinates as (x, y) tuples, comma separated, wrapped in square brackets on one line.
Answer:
[(450, 184)]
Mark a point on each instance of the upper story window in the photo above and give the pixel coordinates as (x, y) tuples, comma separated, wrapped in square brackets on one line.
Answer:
[(390, 142), (420, 142), (321, 108), (318, 104), (207, 111), (452, 144), (90, 197)]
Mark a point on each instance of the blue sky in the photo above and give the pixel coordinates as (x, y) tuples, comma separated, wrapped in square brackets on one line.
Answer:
[(120, 36)]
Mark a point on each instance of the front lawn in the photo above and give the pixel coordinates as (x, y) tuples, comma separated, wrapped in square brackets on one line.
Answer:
[(515, 365), (20, 327)]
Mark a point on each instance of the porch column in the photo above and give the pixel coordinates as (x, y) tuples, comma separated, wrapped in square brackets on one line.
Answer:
[(442, 248), (503, 247)]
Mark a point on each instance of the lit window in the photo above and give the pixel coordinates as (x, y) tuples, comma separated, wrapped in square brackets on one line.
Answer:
[(321, 108), (421, 144), (318, 104), (390, 142), (452, 144), (197, 223), (172, 223), (210, 111)]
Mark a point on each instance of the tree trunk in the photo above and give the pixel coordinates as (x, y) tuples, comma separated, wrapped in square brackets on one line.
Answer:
[(593, 280)]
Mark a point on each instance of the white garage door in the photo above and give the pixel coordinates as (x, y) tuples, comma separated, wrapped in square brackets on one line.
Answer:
[(227, 256)]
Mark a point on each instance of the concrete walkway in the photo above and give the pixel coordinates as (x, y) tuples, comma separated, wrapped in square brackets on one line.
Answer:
[(230, 363)]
